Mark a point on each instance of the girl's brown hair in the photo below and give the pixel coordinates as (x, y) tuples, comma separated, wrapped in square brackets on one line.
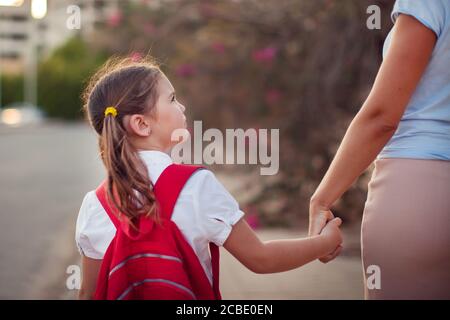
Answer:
[(130, 87)]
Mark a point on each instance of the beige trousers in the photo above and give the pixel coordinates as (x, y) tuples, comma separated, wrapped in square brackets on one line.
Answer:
[(405, 232)]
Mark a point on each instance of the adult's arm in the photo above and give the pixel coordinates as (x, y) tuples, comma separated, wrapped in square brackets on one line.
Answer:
[(411, 47)]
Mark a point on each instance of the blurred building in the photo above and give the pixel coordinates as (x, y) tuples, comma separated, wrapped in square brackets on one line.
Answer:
[(22, 37)]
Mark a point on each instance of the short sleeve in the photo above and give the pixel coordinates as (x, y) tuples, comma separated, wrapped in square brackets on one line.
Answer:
[(217, 210), (430, 13), (93, 231)]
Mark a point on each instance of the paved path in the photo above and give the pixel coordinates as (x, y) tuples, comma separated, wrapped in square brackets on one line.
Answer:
[(45, 172)]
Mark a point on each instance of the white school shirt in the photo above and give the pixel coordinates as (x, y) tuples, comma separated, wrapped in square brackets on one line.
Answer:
[(204, 212)]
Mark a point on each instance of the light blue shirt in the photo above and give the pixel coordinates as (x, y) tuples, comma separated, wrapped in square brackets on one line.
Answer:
[(424, 130)]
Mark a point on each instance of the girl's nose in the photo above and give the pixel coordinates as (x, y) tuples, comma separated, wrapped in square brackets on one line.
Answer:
[(182, 107)]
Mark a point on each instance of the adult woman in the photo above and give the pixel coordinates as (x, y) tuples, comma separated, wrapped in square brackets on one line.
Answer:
[(405, 121)]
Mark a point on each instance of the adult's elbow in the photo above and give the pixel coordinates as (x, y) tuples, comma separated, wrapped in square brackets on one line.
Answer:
[(386, 126), (381, 123)]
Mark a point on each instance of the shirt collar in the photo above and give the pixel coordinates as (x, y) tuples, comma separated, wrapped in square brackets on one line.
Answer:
[(156, 162), (155, 157)]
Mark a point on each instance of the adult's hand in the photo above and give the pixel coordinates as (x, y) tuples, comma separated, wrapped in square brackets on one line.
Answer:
[(319, 215)]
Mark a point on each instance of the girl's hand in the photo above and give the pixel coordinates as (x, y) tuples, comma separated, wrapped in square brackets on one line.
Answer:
[(319, 215), (333, 236)]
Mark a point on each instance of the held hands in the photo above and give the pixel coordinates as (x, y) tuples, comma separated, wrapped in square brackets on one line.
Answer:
[(322, 222), (332, 233)]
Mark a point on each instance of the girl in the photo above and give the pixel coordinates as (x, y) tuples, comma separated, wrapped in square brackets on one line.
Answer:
[(135, 138)]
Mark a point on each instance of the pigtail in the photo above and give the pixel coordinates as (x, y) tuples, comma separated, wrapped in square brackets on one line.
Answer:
[(129, 186)]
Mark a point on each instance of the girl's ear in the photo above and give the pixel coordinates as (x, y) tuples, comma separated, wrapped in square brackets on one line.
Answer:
[(138, 124)]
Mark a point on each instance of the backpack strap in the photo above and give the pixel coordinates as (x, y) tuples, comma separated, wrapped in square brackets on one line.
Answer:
[(143, 224), (169, 185), (167, 189), (215, 262), (102, 197)]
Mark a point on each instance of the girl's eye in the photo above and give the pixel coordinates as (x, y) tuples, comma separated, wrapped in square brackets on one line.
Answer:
[(173, 98)]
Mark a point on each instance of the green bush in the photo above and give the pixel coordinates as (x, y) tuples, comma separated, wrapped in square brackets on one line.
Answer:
[(12, 89), (62, 77)]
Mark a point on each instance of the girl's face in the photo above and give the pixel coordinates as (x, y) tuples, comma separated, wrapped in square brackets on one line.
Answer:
[(153, 131), (169, 114)]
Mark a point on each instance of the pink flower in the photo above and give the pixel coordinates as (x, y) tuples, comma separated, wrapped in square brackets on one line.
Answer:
[(266, 54), (207, 10), (149, 28), (115, 19), (273, 96), (252, 217), (185, 70), (136, 56), (218, 47)]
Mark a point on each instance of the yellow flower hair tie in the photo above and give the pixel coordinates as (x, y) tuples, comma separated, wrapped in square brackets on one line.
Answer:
[(112, 111)]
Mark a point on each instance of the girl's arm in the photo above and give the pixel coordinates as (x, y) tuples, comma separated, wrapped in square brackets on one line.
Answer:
[(411, 47), (280, 255), (90, 269)]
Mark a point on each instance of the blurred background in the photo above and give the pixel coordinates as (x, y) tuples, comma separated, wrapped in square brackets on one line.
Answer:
[(300, 66)]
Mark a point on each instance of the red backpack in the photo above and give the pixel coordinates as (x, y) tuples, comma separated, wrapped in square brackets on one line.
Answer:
[(155, 262)]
